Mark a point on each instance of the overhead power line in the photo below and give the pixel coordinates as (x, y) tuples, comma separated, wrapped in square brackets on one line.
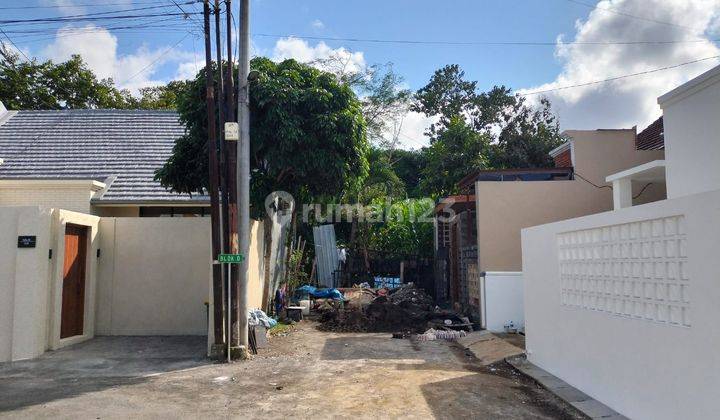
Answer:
[(79, 18), (537, 92), (481, 43), (188, 14), (629, 15), (14, 45), (110, 12), (167, 23), (164, 53), (68, 6)]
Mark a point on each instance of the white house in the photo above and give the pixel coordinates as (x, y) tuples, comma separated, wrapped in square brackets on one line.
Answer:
[(84, 250), (624, 305)]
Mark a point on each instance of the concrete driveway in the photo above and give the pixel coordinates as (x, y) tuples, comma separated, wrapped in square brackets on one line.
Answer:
[(95, 366), (307, 373)]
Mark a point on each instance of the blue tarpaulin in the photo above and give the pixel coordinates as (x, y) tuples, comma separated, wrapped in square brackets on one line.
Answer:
[(331, 293)]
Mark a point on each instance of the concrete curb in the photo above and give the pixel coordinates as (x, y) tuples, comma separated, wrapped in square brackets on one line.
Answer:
[(566, 392), (488, 348)]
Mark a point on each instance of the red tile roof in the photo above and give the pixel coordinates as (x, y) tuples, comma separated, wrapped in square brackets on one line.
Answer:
[(651, 138)]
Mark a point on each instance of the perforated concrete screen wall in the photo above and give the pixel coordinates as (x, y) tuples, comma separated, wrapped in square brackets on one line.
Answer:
[(636, 270)]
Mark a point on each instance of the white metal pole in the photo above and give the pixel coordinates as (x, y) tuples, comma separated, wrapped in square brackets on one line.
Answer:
[(243, 169)]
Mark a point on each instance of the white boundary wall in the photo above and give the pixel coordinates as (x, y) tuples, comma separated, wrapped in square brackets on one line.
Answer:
[(503, 300), (24, 277), (31, 281), (624, 306), (144, 276), (153, 276)]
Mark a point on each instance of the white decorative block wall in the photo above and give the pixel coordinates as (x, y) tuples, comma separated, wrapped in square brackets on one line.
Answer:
[(636, 270)]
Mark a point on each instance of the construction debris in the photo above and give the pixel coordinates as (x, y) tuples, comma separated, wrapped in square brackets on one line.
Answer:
[(433, 334), (406, 309)]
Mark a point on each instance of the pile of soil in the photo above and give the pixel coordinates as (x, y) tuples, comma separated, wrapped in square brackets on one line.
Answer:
[(406, 308)]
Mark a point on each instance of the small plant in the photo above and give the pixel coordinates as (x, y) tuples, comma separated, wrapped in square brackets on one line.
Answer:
[(296, 274)]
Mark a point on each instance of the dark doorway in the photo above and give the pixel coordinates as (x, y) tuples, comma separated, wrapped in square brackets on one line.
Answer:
[(73, 290)]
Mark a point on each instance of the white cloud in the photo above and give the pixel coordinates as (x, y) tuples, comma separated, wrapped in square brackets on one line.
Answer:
[(75, 7), (99, 49), (188, 70), (318, 24), (66, 7), (630, 101), (412, 131), (301, 51)]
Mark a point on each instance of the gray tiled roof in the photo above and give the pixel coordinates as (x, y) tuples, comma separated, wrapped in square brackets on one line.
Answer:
[(119, 147)]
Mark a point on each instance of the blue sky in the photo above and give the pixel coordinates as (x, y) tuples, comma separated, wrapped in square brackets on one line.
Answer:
[(456, 20), (142, 57)]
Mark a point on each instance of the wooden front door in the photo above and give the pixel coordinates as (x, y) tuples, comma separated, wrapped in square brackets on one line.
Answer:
[(73, 291)]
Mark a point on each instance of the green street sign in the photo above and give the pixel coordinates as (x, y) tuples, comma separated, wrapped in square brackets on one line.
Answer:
[(230, 258)]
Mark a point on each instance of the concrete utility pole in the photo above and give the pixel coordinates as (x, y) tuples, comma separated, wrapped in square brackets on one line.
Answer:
[(230, 168), (213, 186), (243, 171), (225, 236)]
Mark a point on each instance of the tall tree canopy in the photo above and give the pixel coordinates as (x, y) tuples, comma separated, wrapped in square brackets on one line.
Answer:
[(385, 101), (480, 130), (47, 85), (408, 165), (307, 134), (72, 85), (161, 97), (456, 151)]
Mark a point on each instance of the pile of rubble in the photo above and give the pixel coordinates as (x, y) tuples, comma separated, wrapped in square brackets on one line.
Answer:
[(406, 309)]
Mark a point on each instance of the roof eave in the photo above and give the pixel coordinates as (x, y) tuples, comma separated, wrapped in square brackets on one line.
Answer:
[(690, 87), (152, 203)]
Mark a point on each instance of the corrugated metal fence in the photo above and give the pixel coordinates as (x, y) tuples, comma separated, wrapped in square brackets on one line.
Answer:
[(326, 254)]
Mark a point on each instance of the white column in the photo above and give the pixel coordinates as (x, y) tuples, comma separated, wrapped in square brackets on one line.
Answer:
[(622, 193)]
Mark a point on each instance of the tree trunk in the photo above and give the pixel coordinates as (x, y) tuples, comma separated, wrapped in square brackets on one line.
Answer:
[(267, 245)]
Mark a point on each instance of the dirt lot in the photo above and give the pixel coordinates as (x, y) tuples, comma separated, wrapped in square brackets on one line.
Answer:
[(306, 374)]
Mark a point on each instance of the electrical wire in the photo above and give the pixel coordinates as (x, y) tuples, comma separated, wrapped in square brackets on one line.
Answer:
[(136, 9), (77, 18), (611, 79), (63, 6), (109, 12), (139, 25), (646, 19), (591, 183), (642, 190), (15, 45), (155, 60), (188, 15), (482, 43)]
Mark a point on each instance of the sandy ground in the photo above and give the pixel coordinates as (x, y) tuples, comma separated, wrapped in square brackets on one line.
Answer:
[(305, 374)]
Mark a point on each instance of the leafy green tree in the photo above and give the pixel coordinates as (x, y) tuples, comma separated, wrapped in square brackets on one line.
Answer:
[(384, 100), (382, 181), (526, 138), (408, 229), (518, 135), (47, 85), (307, 135), (385, 104), (408, 166), (456, 151), (447, 95), (162, 97)]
